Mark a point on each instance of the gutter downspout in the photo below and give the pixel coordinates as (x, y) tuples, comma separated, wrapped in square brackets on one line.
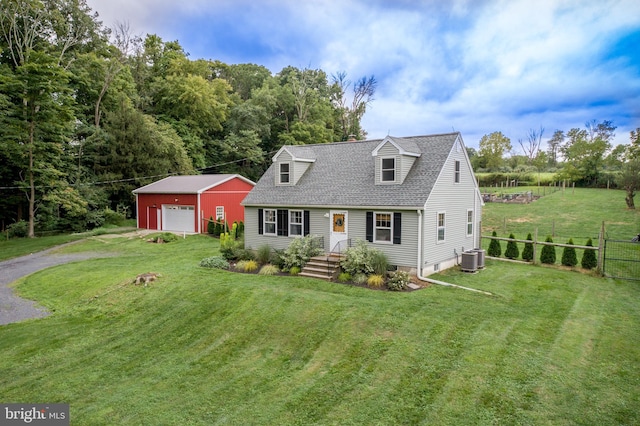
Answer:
[(432, 281)]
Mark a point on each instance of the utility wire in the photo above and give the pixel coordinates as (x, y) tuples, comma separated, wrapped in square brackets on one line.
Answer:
[(106, 182)]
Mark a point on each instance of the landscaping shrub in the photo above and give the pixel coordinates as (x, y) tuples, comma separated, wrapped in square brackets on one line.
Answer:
[(165, 237), (512, 251), (211, 226), (359, 278), (18, 229), (589, 259), (569, 257), (494, 247), (300, 250), (375, 281), (229, 247), (263, 255), (548, 253), (527, 253), (117, 218), (276, 258), (344, 277), (269, 270), (364, 259), (244, 254), (398, 281), (217, 262), (294, 270)]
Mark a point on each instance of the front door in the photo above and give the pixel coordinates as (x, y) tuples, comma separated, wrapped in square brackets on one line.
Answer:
[(338, 231)]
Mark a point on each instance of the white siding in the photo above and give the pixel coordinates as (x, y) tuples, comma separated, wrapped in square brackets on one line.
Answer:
[(454, 199), (403, 163), (404, 254)]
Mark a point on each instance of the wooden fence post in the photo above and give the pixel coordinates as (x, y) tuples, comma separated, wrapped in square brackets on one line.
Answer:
[(600, 268), (535, 246)]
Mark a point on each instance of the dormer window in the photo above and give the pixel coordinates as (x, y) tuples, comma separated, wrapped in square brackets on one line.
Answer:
[(388, 170), (285, 173)]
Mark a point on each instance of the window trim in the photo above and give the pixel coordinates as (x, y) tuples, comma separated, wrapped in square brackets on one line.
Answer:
[(274, 222), (382, 169), (288, 173), (456, 171), (292, 223), (442, 227), (219, 216), (376, 227), (470, 221)]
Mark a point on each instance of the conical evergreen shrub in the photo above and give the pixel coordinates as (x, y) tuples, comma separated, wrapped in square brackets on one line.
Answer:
[(494, 247), (569, 257), (512, 251), (211, 225), (548, 253), (589, 259), (527, 253)]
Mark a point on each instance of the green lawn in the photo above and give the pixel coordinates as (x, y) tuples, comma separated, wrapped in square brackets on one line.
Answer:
[(14, 247), (572, 213), (214, 347)]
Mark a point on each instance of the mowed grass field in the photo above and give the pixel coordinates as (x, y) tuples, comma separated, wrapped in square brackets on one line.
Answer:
[(204, 347), (570, 213)]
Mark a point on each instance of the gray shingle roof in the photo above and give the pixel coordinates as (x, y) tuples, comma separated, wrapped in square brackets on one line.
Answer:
[(343, 175), (192, 184)]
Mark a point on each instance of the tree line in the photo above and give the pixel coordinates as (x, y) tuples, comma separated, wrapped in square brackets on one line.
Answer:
[(584, 156), (89, 113)]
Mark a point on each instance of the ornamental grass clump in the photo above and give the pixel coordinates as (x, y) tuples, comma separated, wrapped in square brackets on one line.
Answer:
[(263, 255), (512, 251), (494, 247), (294, 270), (569, 257), (589, 259), (247, 266), (375, 281), (269, 270), (548, 253)]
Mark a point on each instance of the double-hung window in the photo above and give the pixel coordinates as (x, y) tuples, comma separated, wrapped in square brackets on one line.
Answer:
[(456, 177), (441, 226), (383, 227), (285, 175), (295, 222), (469, 222), (388, 169), (269, 222)]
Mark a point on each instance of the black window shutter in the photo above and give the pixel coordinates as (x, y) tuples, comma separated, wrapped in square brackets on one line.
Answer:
[(306, 223), (260, 222), (283, 222), (369, 230), (397, 228)]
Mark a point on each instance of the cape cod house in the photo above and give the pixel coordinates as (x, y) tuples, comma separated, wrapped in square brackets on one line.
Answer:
[(186, 203), (414, 198)]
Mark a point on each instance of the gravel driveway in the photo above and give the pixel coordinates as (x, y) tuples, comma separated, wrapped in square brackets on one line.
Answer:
[(14, 308)]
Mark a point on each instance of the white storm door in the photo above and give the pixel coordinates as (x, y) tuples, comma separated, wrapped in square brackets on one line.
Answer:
[(338, 231)]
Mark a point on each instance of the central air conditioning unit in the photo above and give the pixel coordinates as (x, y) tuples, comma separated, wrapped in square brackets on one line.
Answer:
[(469, 261), (481, 256)]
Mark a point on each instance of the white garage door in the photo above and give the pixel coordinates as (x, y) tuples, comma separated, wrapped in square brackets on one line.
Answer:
[(178, 218)]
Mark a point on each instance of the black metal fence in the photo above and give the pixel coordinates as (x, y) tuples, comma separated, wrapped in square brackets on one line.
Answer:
[(621, 259)]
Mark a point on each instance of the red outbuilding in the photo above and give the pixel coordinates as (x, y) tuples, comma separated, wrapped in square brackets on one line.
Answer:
[(185, 203)]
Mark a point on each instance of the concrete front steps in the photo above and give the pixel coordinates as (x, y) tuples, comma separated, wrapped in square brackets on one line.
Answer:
[(324, 267)]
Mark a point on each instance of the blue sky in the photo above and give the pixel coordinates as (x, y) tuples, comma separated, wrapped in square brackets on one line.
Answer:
[(471, 66)]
